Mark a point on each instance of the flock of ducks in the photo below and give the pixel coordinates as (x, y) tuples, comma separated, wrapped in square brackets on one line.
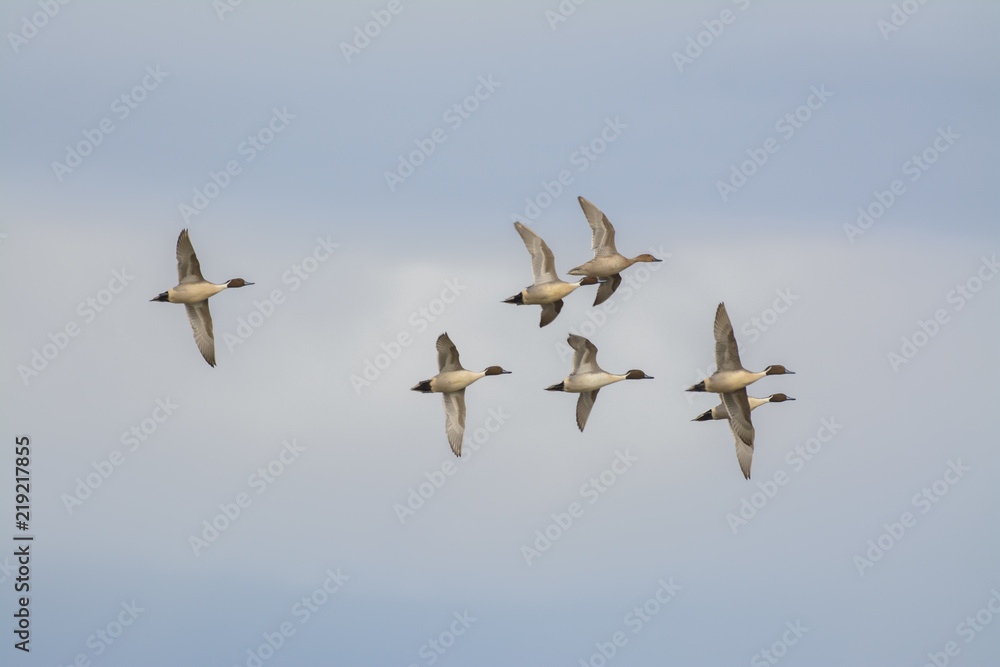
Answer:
[(548, 291)]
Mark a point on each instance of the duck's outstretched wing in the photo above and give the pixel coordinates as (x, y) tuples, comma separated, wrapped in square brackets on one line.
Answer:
[(607, 288), (447, 354), (584, 355), (188, 268), (584, 405), (602, 241), (201, 324), (543, 262), (738, 407), (550, 311), (727, 353), (454, 419)]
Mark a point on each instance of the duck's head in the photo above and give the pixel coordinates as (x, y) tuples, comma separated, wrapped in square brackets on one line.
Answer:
[(237, 282), (496, 370), (777, 370), (646, 257), (780, 398), (636, 374)]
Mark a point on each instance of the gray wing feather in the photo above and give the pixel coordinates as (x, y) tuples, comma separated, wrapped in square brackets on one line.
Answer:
[(188, 267), (550, 311), (603, 239), (727, 353), (543, 262), (584, 405), (447, 354), (744, 454), (607, 288), (584, 355), (738, 408), (454, 419), (201, 324)]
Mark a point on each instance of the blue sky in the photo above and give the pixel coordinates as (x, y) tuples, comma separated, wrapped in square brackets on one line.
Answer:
[(260, 112)]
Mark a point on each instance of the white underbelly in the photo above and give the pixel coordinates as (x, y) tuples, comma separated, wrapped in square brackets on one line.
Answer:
[(603, 267), (194, 292), (724, 382), (454, 380), (547, 292), (589, 381)]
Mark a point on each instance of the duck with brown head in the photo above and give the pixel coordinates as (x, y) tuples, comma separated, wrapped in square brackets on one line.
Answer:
[(587, 378), (730, 374), (730, 381), (451, 381), (194, 291), (608, 263), (548, 290), (719, 411), (739, 404)]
